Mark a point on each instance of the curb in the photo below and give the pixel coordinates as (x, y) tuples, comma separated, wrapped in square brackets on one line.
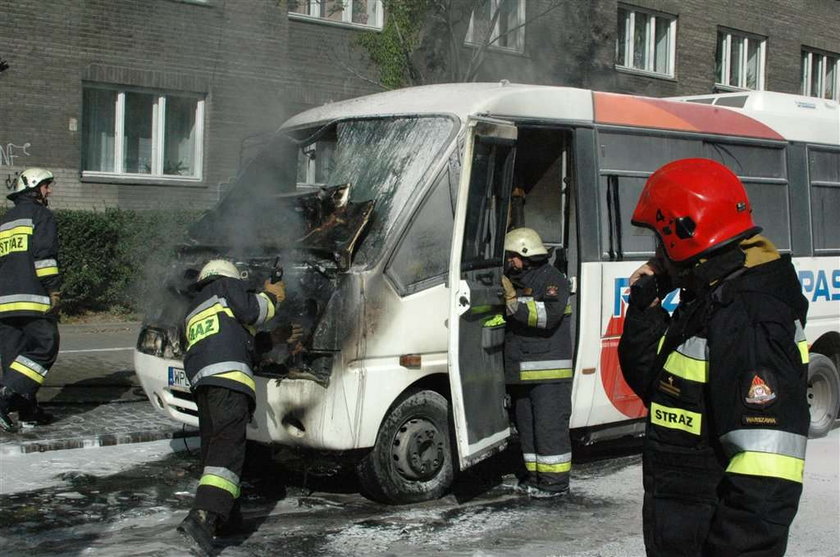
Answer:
[(94, 441)]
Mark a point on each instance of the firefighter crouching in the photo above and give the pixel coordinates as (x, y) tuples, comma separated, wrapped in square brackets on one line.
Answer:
[(538, 362), (724, 378), (29, 298), (219, 362)]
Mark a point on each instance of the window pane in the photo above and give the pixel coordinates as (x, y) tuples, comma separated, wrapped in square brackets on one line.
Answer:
[(830, 78), (640, 42), (137, 143), (720, 56), (299, 6), (364, 12), (770, 211), (332, 9), (179, 138), (98, 117), (735, 70), (621, 40), (805, 73), (662, 46), (816, 75), (753, 62)]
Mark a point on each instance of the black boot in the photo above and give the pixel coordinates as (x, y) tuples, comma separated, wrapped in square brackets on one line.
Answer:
[(30, 413), (7, 397), (199, 529), (234, 524)]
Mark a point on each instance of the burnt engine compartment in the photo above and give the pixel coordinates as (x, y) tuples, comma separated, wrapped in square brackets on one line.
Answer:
[(311, 287)]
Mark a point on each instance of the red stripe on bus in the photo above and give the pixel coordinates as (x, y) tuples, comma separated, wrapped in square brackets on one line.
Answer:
[(646, 112)]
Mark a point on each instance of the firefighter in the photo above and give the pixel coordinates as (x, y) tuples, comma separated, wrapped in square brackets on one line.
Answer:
[(724, 378), (219, 363), (538, 362), (29, 297)]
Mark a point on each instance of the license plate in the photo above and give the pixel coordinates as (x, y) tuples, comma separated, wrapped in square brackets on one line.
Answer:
[(178, 379)]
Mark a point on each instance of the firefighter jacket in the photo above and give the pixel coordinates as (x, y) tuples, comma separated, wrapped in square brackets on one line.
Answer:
[(28, 260), (220, 330), (538, 344), (725, 383)]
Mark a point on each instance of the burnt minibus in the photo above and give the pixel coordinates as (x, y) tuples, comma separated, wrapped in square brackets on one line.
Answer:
[(388, 215)]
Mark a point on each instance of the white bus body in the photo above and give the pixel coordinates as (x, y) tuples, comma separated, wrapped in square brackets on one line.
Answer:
[(401, 329)]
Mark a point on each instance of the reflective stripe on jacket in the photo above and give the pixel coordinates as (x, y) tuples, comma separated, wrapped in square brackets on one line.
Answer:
[(219, 330), (28, 260)]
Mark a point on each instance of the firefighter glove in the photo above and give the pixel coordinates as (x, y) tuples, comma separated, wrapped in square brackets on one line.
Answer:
[(510, 291), (55, 301), (276, 289), (290, 334)]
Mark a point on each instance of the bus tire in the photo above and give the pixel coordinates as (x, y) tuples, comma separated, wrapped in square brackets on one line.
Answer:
[(412, 458), (823, 394)]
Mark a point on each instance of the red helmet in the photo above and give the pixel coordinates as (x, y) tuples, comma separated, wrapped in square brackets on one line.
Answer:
[(694, 206)]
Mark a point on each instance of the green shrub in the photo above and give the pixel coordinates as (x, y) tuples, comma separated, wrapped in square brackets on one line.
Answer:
[(111, 260)]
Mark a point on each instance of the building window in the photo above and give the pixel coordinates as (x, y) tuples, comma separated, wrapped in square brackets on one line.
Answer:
[(138, 132), (820, 74), (353, 12), (739, 60), (498, 24), (646, 41)]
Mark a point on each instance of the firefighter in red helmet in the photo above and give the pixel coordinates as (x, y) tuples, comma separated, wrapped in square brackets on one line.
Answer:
[(724, 377)]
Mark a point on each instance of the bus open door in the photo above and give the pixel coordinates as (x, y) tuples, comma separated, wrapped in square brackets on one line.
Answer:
[(476, 331)]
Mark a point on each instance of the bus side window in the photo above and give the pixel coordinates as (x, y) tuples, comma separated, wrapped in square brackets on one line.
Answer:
[(422, 258), (824, 170)]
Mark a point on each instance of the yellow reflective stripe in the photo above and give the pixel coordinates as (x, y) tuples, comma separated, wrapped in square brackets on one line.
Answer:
[(687, 368), (659, 346), (16, 230), (568, 310), (212, 310), (531, 466), (803, 351), (239, 377), (531, 375), (221, 483), (46, 271), (533, 316), (270, 309), (675, 418), (24, 306), (20, 368), (767, 464), (558, 468)]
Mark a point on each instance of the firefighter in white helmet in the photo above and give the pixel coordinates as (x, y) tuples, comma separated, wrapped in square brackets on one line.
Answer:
[(220, 327), (538, 362), (30, 286)]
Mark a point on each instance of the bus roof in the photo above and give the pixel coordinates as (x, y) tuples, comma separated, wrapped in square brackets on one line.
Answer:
[(758, 114)]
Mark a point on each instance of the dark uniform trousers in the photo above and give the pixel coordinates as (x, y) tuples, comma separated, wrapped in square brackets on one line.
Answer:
[(542, 415), (28, 349), (223, 415)]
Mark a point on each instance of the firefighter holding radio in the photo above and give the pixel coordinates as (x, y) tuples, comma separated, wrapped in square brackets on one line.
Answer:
[(538, 362), (219, 364), (724, 378)]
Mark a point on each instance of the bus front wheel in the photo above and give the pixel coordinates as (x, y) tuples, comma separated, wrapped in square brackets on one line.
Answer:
[(823, 394), (412, 458)]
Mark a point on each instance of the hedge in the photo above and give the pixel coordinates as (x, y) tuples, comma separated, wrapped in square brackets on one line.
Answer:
[(113, 259)]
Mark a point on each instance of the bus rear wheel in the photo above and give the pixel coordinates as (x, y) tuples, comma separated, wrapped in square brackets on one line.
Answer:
[(412, 458), (823, 394)]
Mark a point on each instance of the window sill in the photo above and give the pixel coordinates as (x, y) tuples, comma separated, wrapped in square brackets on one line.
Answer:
[(645, 73), (141, 180), (205, 3), (320, 20)]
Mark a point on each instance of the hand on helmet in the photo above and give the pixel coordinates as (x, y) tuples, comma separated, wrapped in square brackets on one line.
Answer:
[(276, 289)]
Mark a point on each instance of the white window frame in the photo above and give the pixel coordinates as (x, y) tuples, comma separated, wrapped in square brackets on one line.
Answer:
[(158, 124), (650, 42), (518, 34), (314, 7), (722, 79), (825, 59)]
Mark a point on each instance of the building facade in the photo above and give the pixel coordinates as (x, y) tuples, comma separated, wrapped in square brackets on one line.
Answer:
[(154, 104)]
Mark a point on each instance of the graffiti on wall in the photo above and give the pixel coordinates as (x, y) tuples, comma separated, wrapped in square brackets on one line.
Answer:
[(11, 151)]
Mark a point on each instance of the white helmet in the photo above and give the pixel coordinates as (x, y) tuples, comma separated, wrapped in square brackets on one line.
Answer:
[(218, 268), (30, 179), (525, 241)]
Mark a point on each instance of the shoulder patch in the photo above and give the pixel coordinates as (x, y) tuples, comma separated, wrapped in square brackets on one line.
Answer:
[(759, 393), (552, 290)]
